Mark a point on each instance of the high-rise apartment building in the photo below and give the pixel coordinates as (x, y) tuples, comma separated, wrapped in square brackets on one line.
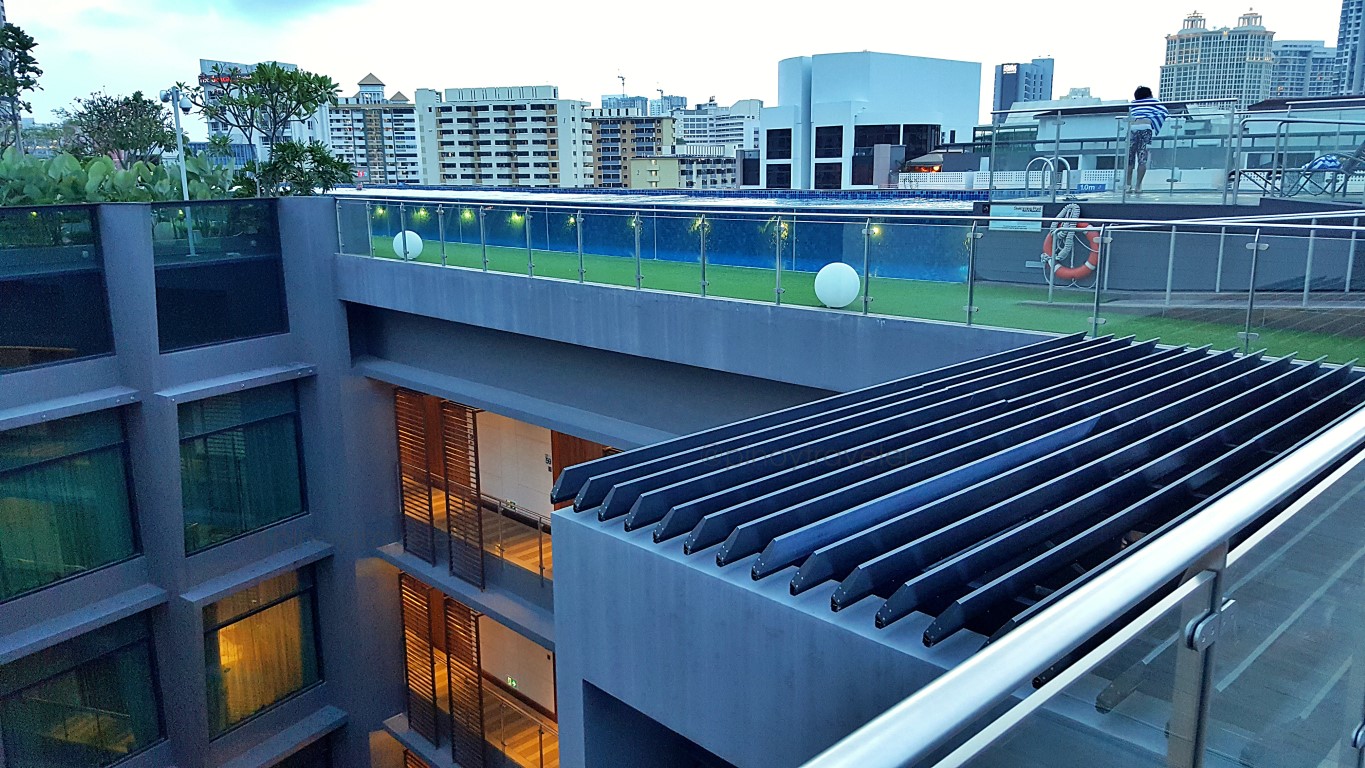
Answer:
[(666, 104), (1022, 81), (522, 136), (735, 126), (213, 74), (686, 166), (1350, 56), (623, 101), (1204, 64), (1303, 69), (375, 133), (621, 135)]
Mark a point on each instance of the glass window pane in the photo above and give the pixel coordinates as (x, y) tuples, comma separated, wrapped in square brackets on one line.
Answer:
[(239, 478), (90, 701), (259, 659), (218, 272), (52, 299), (64, 501)]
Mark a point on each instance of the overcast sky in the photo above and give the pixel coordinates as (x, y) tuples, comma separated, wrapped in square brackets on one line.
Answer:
[(696, 49)]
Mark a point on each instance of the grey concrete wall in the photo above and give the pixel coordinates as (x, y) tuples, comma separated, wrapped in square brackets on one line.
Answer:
[(351, 508), (617, 399), (796, 345), (757, 677)]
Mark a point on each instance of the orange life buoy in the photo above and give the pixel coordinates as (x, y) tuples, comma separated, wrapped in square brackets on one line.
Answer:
[(1091, 264)]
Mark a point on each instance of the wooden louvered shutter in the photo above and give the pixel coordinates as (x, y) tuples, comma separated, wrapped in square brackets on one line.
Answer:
[(413, 761), (418, 659), (414, 476), (464, 518), (466, 684)]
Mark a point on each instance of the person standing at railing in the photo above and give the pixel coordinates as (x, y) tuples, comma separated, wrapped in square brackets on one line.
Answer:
[(1146, 115)]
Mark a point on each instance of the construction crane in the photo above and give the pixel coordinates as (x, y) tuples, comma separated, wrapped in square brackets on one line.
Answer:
[(622, 78)]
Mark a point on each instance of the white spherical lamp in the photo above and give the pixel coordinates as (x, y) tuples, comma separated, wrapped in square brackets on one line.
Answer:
[(413, 242), (837, 285)]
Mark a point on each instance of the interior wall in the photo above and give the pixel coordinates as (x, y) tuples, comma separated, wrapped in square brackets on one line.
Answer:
[(505, 654), (513, 462)]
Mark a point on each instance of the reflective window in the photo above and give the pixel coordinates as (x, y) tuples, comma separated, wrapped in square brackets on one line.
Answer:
[(88, 702), (829, 141), (829, 175), (260, 647), (779, 144), (240, 467), (65, 506), (218, 272), (53, 305), (779, 176)]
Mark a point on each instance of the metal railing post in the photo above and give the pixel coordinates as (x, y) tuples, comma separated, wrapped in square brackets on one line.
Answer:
[(1129, 172), (1056, 152), (369, 225), (1101, 266), (483, 236), (441, 231), (1351, 256), (578, 229), (540, 550), (1256, 247), (990, 169), (340, 240), (1222, 244), (1237, 161), (1308, 261), (1229, 170), (701, 231), (867, 264), (1170, 266), (777, 257), (403, 228), (530, 255), (972, 237), (639, 276)]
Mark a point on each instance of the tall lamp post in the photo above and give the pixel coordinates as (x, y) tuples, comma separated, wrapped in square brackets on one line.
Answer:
[(181, 103)]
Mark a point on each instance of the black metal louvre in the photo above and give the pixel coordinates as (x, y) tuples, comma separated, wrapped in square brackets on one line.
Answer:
[(978, 492)]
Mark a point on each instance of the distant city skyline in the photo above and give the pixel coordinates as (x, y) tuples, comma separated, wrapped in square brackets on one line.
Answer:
[(85, 45)]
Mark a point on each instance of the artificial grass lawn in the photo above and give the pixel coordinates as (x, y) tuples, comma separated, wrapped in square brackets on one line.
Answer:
[(1000, 305)]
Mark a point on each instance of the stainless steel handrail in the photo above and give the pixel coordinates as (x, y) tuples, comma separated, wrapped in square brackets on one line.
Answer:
[(911, 730), (892, 216)]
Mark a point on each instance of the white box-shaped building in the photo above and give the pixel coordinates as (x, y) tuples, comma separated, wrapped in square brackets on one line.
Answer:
[(834, 108)]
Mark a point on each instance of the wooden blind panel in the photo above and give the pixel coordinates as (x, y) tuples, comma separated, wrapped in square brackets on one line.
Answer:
[(464, 517), (414, 476), (466, 684), (413, 761), (418, 659)]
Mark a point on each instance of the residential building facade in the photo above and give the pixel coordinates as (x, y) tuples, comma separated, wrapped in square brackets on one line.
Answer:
[(621, 135), (1205, 64), (1303, 69), (834, 109), (623, 101), (1022, 81), (375, 133), (666, 104), (503, 137), (735, 126), (1350, 56), (686, 166)]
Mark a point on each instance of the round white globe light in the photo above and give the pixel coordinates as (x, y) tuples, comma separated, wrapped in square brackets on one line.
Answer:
[(413, 241), (837, 285)]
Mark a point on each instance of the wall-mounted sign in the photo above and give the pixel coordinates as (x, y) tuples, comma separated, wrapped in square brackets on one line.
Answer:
[(1017, 212)]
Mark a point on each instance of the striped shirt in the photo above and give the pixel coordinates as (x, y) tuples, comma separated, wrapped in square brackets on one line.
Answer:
[(1151, 110)]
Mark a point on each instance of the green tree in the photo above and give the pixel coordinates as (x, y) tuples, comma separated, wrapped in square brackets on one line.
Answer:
[(127, 129), (19, 75), (295, 168), (263, 102)]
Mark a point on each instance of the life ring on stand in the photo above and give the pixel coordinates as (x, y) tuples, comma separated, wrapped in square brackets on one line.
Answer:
[(1092, 236)]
